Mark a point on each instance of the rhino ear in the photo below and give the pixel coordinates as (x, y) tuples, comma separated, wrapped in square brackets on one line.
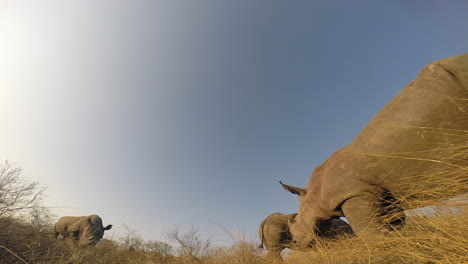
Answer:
[(293, 189), (108, 227)]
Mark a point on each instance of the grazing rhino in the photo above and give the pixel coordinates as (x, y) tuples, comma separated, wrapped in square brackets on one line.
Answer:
[(275, 236), (416, 141), (83, 230), (274, 233)]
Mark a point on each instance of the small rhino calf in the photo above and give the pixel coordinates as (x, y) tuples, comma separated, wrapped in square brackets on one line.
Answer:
[(275, 235)]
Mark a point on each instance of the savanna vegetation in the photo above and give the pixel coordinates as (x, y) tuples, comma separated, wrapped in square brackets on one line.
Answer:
[(26, 235), (435, 234)]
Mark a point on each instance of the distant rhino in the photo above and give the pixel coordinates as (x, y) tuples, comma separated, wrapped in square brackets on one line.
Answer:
[(275, 236), (417, 141), (83, 230)]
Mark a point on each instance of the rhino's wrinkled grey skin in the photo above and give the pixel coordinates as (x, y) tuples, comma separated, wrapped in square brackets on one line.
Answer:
[(275, 236), (417, 136), (83, 230)]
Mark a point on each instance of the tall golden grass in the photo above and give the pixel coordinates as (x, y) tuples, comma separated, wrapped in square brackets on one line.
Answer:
[(439, 235)]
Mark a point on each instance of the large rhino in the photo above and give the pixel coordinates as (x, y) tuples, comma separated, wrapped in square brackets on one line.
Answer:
[(275, 236), (418, 140), (83, 230)]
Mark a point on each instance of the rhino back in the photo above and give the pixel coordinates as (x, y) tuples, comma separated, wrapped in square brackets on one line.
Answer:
[(433, 102), (68, 224), (425, 123)]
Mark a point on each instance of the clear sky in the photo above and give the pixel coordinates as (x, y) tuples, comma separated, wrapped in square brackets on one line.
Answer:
[(159, 114)]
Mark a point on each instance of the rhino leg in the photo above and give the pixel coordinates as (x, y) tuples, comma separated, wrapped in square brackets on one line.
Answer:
[(362, 213), (391, 211), (56, 232), (74, 236)]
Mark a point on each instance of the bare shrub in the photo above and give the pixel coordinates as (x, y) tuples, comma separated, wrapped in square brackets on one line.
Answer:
[(132, 239), (161, 252), (191, 247), (17, 192), (25, 224)]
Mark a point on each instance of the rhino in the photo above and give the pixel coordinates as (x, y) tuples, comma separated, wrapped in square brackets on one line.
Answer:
[(82, 230), (275, 236), (416, 141)]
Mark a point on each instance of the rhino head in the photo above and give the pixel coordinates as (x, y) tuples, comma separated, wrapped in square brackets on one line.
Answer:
[(92, 231), (310, 222)]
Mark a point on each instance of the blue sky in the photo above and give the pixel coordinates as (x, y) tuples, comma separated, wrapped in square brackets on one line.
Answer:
[(159, 114)]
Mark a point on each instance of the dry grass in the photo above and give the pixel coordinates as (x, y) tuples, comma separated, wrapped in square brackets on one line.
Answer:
[(435, 234), (438, 235), (439, 238)]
